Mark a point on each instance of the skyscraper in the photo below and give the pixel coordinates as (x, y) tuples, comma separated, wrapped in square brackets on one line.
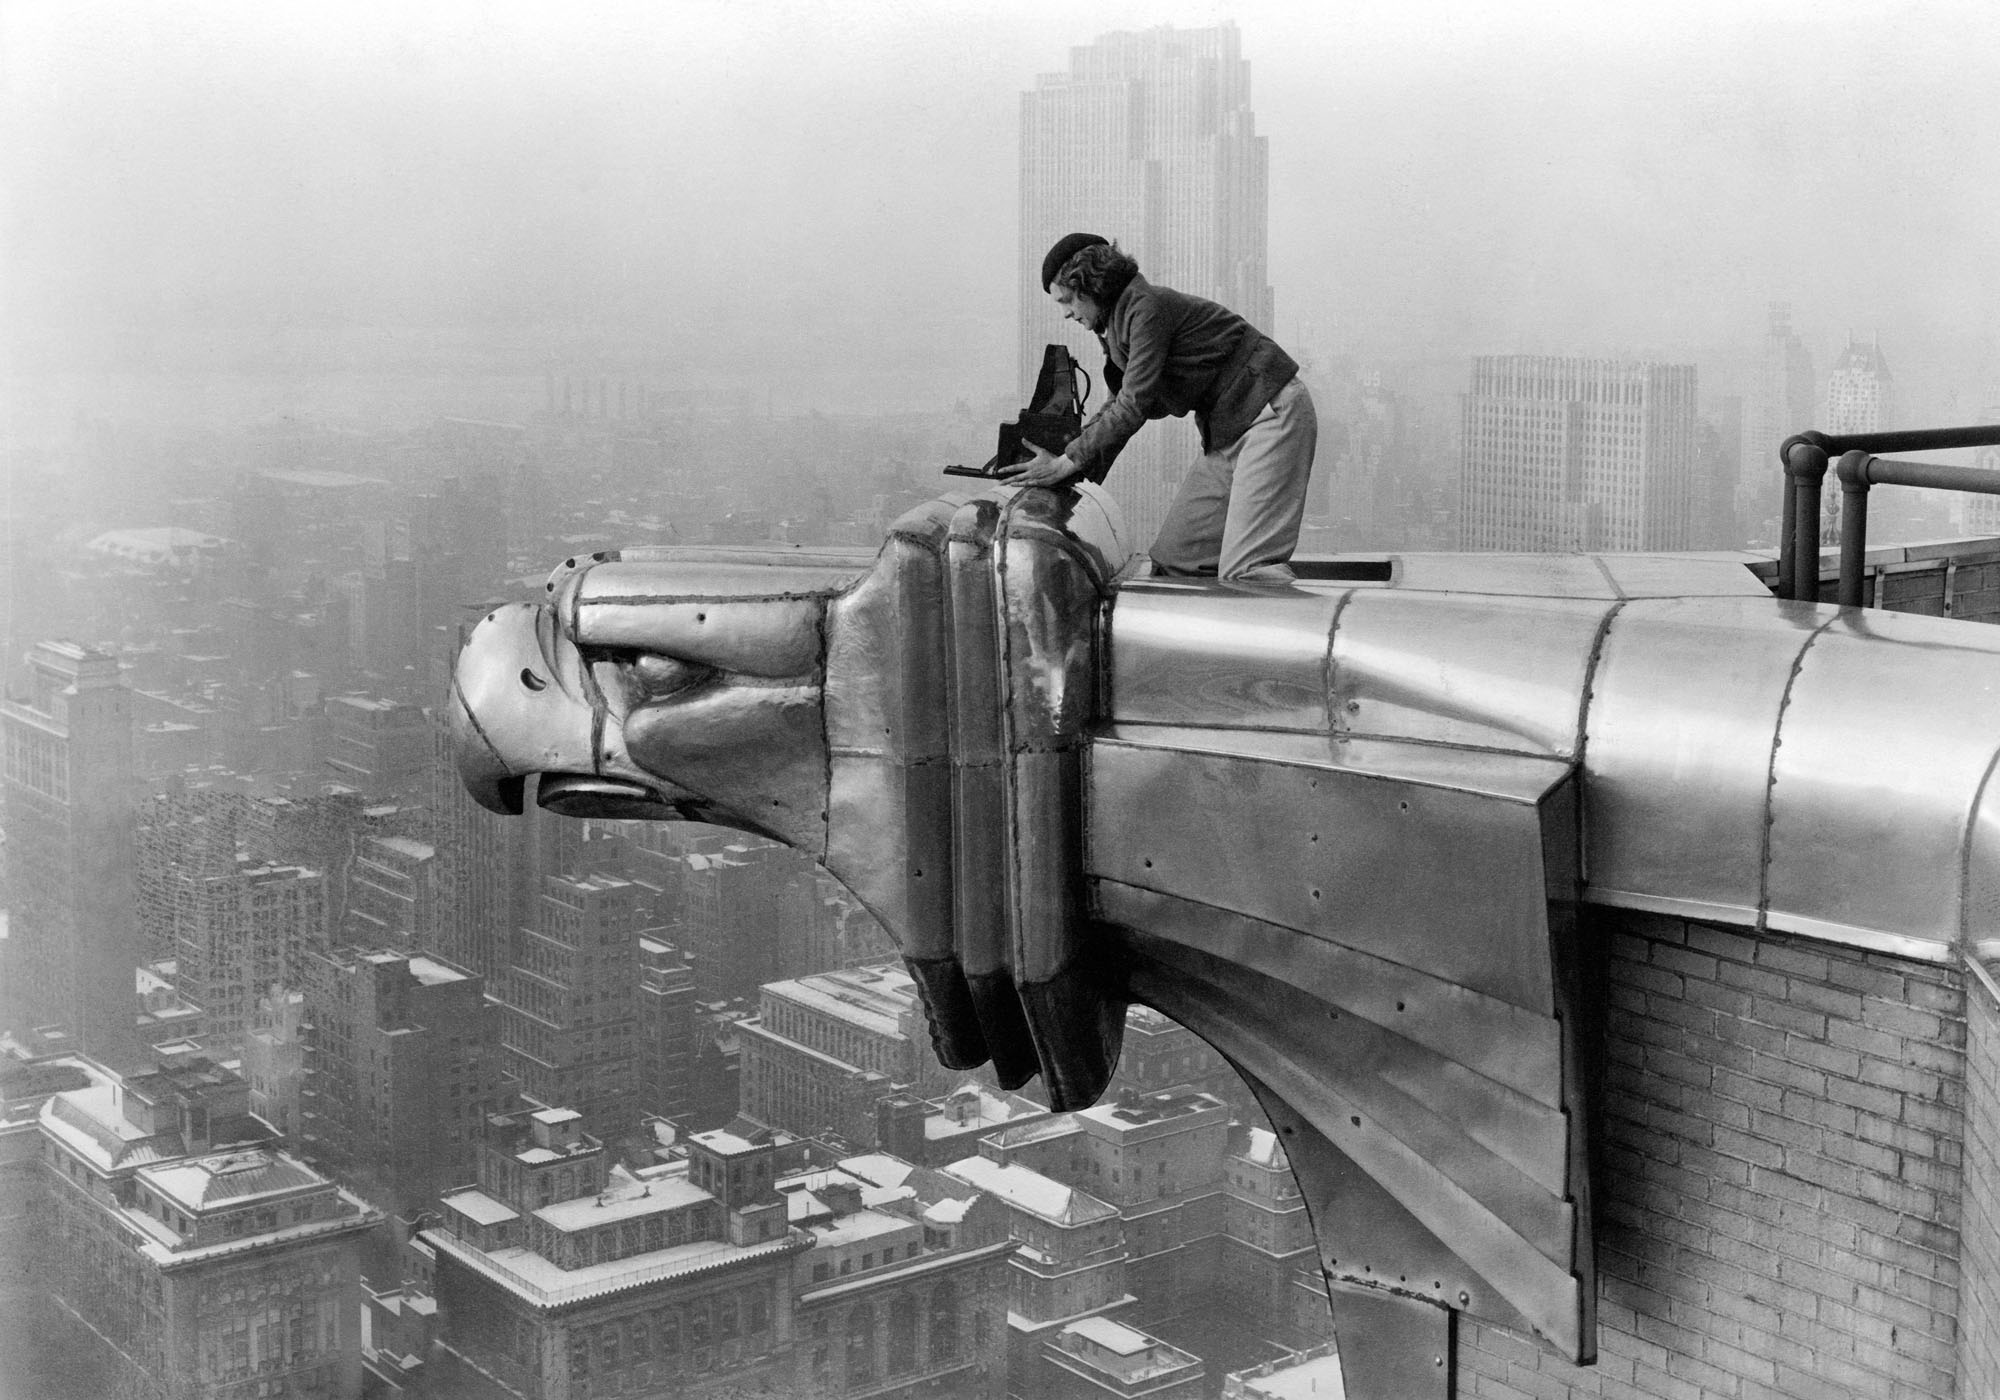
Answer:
[(1859, 392), (1148, 139), (72, 941), (1563, 454), (1780, 403), (569, 1002)]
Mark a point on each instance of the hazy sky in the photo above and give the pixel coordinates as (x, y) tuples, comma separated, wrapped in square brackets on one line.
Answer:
[(824, 194)]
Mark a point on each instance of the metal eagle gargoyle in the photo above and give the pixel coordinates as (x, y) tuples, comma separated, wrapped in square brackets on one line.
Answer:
[(1341, 828)]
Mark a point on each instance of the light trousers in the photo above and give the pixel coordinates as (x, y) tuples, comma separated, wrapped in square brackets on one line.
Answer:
[(1238, 513)]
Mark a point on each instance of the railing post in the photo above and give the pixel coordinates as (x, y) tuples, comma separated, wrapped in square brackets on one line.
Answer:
[(1805, 469), (1853, 473)]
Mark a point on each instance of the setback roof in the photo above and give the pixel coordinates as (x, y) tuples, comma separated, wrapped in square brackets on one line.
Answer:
[(227, 1178), (626, 1201), (1031, 1191)]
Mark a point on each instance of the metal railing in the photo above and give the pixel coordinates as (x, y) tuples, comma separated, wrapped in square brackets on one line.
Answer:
[(1806, 457)]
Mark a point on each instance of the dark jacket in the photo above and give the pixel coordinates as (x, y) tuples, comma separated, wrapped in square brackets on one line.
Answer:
[(1168, 353)]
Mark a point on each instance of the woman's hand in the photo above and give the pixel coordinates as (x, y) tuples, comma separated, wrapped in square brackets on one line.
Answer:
[(1044, 470)]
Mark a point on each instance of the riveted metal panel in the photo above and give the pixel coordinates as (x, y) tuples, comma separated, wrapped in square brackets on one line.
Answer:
[(1490, 1037), (886, 660), (1224, 657), (756, 753), (522, 704), (632, 576), (1541, 1289), (1365, 1235), (889, 841), (777, 637), (978, 755), (1684, 707), (1046, 878), (1444, 879), (1869, 807), (1465, 670), (1501, 1147), (1051, 608), (1392, 1347)]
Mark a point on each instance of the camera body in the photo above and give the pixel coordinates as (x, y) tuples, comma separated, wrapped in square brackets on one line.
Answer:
[(1052, 418)]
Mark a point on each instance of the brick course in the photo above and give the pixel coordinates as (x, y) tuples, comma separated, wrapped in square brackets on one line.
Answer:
[(1782, 1130), (1979, 1305)]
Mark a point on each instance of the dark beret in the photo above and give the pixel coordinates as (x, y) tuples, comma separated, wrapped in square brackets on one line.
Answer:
[(1067, 247)]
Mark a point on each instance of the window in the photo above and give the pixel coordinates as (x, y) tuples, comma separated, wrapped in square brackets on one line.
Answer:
[(903, 1334), (944, 1323), (861, 1345)]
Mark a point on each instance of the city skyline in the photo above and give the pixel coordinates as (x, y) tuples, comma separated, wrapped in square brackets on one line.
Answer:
[(824, 207), (322, 335)]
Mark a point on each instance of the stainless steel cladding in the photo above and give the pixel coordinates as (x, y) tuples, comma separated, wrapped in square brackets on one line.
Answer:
[(1340, 829)]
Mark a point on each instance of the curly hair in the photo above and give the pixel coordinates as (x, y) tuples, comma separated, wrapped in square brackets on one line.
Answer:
[(1100, 272)]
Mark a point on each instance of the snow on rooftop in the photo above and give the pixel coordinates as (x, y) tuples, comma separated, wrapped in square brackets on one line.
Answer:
[(628, 1201), (860, 1227), (1261, 1148), (1112, 1336), (1029, 1190), (479, 1208), (433, 974), (406, 846), (878, 1168)]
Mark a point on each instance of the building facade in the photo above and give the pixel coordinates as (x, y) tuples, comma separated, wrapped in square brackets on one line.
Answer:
[(1780, 402), (886, 1303), (1157, 1159), (561, 1276), (824, 1050), (665, 1014), (569, 1002), (211, 1264), (402, 1068), (72, 940), (1577, 454)]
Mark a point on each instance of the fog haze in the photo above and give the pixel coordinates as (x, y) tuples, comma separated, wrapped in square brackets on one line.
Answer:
[(820, 200)]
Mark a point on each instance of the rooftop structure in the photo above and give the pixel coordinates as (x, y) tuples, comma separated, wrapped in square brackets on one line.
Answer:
[(557, 1266), (1096, 1356), (204, 1257)]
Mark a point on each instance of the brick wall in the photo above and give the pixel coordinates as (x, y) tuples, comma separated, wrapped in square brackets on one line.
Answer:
[(1948, 578), (1979, 1300), (1778, 1200)]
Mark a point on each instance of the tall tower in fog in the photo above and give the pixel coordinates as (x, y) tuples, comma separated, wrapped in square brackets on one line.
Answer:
[(1566, 454), (1859, 391), (1780, 403), (72, 945), (1148, 139)]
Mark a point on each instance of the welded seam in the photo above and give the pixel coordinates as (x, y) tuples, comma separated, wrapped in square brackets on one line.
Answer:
[(1328, 675), (1771, 776), (1585, 694), (1965, 855)]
